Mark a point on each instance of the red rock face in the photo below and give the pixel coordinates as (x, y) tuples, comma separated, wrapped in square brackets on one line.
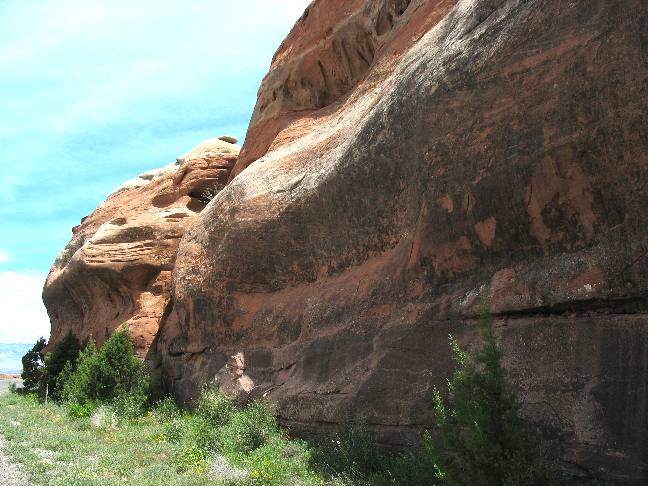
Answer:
[(337, 48), (406, 160), (117, 268)]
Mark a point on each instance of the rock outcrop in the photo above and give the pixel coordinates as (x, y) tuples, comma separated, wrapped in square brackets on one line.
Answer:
[(117, 268), (334, 46), (405, 161)]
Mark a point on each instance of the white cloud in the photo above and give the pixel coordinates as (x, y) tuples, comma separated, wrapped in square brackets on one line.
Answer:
[(24, 318), (4, 257)]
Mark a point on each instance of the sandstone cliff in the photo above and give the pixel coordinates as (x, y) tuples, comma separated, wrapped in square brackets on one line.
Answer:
[(405, 160), (117, 267)]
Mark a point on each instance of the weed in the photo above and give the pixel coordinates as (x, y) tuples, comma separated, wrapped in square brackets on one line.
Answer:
[(79, 410), (249, 428)]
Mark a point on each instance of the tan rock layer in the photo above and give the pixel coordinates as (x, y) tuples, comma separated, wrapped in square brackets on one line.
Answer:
[(117, 268)]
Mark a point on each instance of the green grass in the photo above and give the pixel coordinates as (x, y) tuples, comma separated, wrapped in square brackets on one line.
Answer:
[(56, 449), (165, 446), (108, 434), (217, 443)]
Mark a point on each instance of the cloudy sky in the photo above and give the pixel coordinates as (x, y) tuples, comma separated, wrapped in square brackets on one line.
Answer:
[(94, 93)]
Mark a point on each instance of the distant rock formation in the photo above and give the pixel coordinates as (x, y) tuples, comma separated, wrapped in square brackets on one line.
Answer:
[(117, 267), (405, 161)]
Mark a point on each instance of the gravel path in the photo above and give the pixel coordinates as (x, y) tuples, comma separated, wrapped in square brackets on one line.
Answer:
[(10, 474)]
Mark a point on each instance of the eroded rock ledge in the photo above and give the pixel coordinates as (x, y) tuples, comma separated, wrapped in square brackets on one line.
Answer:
[(331, 51), (117, 267)]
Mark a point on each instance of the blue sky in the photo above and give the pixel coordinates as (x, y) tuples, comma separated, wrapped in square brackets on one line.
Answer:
[(94, 93)]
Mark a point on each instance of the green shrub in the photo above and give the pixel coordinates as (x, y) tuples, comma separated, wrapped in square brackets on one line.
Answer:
[(352, 454), (166, 410), (278, 463), (75, 383), (483, 438), (130, 404), (216, 426), (173, 429), (80, 410), (415, 467), (33, 362), (112, 374), (64, 355), (116, 370), (250, 428), (215, 407), (196, 441)]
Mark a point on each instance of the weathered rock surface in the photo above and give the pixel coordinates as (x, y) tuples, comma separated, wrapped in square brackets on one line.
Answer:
[(333, 47), (117, 267), (405, 160)]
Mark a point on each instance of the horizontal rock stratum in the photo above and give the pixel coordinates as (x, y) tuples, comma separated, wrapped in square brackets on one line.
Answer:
[(405, 161)]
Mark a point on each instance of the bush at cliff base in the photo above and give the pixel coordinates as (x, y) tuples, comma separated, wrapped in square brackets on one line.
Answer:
[(483, 437), (41, 371), (65, 353), (33, 362), (112, 374)]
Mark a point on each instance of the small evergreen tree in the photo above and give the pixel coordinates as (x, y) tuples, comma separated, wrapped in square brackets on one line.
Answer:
[(33, 363), (117, 370), (66, 351), (483, 438), (75, 380), (111, 373)]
